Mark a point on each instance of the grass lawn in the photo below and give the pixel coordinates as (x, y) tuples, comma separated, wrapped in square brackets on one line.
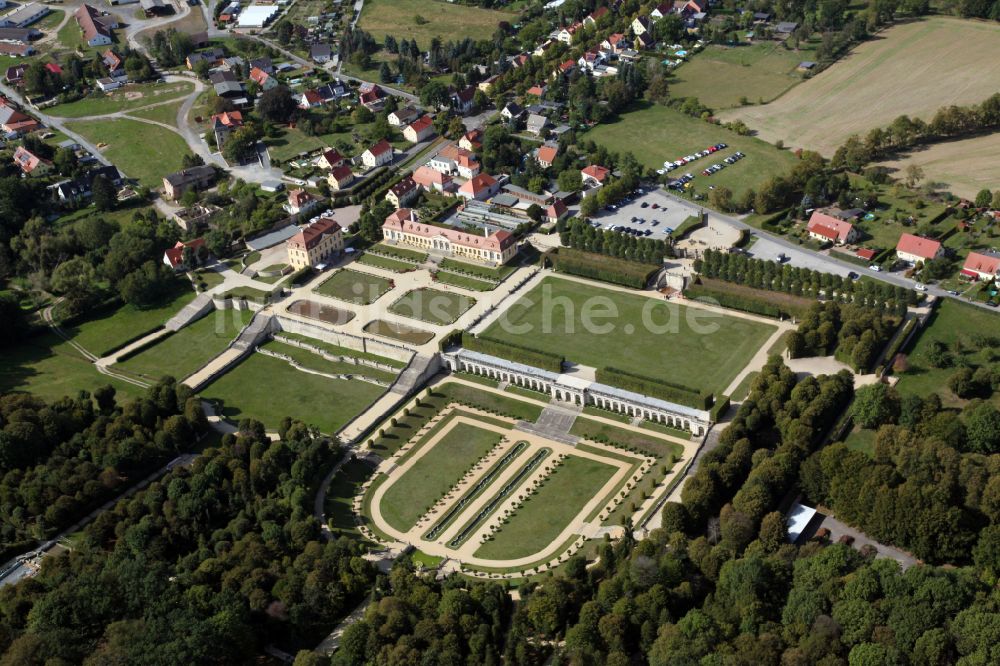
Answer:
[(125, 98), (743, 388), (354, 287), (187, 350), (163, 113), (432, 305), (342, 351), (140, 150), (110, 329), (422, 20), (430, 478), (122, 216), (720, 75), (953, 321), (340, 496), (650, 444), (310, 359), (465, 282), (549, 318), (861, 440), (49, 367), (478, 269), (269, 389), (896, 204), (540, 519), (293, 142), (401, 332), (655, 133), (394, 265), (401, 252)]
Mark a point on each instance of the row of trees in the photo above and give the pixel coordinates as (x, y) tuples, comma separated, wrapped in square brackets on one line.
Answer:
[(581, 235), (772, 276)]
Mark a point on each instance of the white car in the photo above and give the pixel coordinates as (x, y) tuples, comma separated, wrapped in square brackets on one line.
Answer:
[(876, 268), (661, 171), (920, 286)]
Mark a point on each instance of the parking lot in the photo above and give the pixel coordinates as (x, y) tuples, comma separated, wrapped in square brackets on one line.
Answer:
[(665, 212), (767, 249)]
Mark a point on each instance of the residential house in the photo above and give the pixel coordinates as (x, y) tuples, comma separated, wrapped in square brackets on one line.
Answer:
[(661, 10), (644, 41), (333, 91), (472, 140), (511, 111), (519, 60), (537, 90), (300, 202), (827, 228), (107, 84), (31, 164), (594, 175), (263, 79), (371, 96), (114, 63), (330, 159), (226, 85), (174, 257), (565, 68), (81, 188), (211, 56), (546, 155), (463, 100), (615, 43), (194, 178), (784, 29), (432, 179), (264, 64), (556, 211), (595, 16), (379, 154), (224, 124), (982, 266), (486, 85), (916, 249), (402, 227), (315, 244), (641, 25), (455, 160), (320, 53), (420, 129), (566, 34), (403, 193), (97, 29), (13, 121), (590, 60), (15, 75), (537, 124), (340, 177), (481, 187), (403, 117), (309, 99), (153, 8)]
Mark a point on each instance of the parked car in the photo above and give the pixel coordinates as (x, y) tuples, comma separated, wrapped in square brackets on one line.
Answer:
[(876, 268), (920, 286)]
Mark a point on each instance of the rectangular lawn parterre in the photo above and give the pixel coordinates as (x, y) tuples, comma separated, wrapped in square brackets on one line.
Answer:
[(432, 305), (187, 350), (549, 319), (354, 287), (655, 134), (269, 389), (549, 510), (413, 493)]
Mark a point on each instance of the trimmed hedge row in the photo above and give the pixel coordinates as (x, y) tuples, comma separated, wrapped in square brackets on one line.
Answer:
[(604, 268), (745, 304), (655, 388), (897, 344), (511, 352), (719, 408)]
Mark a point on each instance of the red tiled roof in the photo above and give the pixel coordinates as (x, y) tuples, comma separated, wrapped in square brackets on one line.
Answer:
[(982, 263), (547, 154), (428, 177), (405, 220), (311, 235), (924, 248), (380, 148), (866, 253), (477, 184), (421, 123), (332, 156), (229, 118), (600, 12), (829, 226), (175, 255), (312, 97), (596, 172), (342, 173)]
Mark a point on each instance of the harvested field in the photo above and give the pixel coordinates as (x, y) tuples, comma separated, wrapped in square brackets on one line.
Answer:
[(324, 313), (961, 167), (913, 68)]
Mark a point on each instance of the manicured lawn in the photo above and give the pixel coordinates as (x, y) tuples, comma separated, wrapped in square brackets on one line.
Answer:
[(743, 388), (401, 332), (187, 350), (478, 269), (547, 512), (387, 263), (698, 349), (354, 287), (49, 367), (269, 389), (896, 204), (402, 252), (413, 494), (123, 99), (861, 440), (953, 321), (342, 351), (122, 216), (340, 497), (422, 20), (432, 305), (465, 282), (720, 75), (143, 151), (109, 329), (655, 134), (164, 113), (609, 434), (310, 359)]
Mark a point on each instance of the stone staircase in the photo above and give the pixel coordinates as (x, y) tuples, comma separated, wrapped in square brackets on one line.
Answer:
[(196, 309), (258, 329), (421, 368)]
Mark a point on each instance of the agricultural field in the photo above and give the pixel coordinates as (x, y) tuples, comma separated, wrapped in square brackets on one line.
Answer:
[(655, 134), (422, 20), (432, 305), (678, 354), (269, 389), (124, 99), (181, 354), (912, 68), (143, 151), (960, 167), (354, 287), (953, 322), (721, 76)]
